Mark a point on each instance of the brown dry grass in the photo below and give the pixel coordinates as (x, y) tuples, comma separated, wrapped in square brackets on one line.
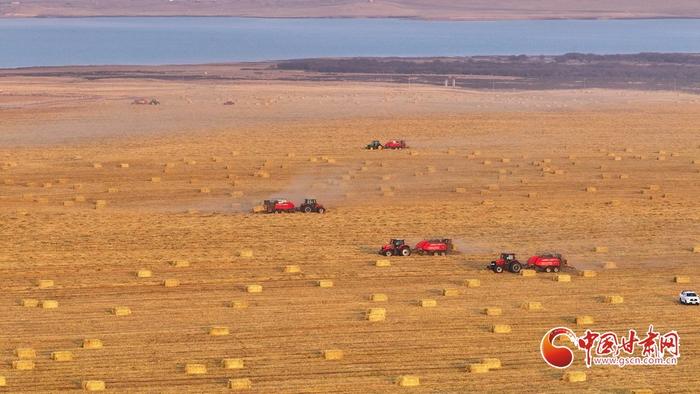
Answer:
[(92, 255)]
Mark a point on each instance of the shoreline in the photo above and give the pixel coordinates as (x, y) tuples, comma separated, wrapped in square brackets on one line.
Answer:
[(396, 17)]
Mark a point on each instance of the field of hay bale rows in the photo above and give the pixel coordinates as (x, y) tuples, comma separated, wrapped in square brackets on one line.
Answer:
[(147, 246)]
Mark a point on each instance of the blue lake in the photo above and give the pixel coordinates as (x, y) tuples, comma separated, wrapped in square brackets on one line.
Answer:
[(184, 40)]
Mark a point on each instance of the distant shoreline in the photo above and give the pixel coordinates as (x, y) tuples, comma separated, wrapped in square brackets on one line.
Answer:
[(409, 18)]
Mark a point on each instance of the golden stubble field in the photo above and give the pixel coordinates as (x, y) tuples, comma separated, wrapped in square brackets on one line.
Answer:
[(93, 190)]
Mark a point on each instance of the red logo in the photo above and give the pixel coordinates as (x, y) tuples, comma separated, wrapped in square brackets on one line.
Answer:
[(557, 356)]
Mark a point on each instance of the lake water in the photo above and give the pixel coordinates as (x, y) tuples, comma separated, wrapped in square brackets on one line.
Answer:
[(181, 40)]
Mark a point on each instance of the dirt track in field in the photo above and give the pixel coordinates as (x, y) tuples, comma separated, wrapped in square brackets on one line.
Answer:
[(524, 160)]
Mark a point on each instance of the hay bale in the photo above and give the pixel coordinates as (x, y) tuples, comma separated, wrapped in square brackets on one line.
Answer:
[(333, 354), (609, 265), (100, 204), (613, 299), (68, 203), (121, 311), (654, 188), (591, 189), (239, 384), (574, 376), (292, 269), (461, 190), (613, 203), (49, 304), (493, 311), (218, 331), (79, 198), (528, 273), (601, 249), (23, 365), (254, 288), (383, 263), (487, 202), (62, 355), (501, 329), (532, 306), (3, 381), (92, 343), (681, 279), (584, 320), (491, 363), (493, 187), (472, 283), (170, 282), (124, 165), (155, 179), (623, 176), (246, 253), (25, 353), (195, 369), (96, 165), (204, 190), (641, 391), (180, 263), (376, 314), (588, 273), (30, 302), (450, 292), (408, 381), (233, 363), (379, 297), (325, 283), (93, 385), (486, 162), (144, 273), (427, 303), (562, 278), (478, 368), (696, 249), (44, 283), (238, 304)]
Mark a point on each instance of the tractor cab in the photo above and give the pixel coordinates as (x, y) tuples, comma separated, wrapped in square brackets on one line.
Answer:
[(375, 145), (506, 261), (310, 201), (395, 247)]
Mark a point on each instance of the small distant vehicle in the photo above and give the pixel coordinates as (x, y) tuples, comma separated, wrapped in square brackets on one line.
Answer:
[(279, 206), (506, 261), (395, 247), (375, 145), (310, 205), (547, 262), (688, 297), (395, 144), (436, 247)]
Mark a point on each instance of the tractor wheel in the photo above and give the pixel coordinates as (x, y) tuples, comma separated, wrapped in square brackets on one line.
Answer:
[(406, 252), (388, 253), (321, 210), (548, 269), (307, 209), (498, 269), (436, 253), (443, 254), (556, 269), (515, 268)]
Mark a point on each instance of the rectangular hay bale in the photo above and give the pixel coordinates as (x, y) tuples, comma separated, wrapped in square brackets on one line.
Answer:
[(491, 363), (681, 279), (501, 329), (23, 365), (428, 303), (254, 288), (584, 320), (291, 269), (408, 381), (121, 311), (144, 273), (528, 273), (382, 263), (379, 297), (325, 283), (233, 363), (478, 368), (589, 273), (493, 311), (93, 385), (472, 283), (562, 278), (195, 369), (62, 355), (218, 331), (376, 314), (239, 384), (532, 306), (49, 304), (613, 299), (25, 353), (450, 292), (92, 343), (333, 354), (574, 376), (171, 282)]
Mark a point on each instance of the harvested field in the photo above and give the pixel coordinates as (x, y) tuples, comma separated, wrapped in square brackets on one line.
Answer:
[(256, 288)]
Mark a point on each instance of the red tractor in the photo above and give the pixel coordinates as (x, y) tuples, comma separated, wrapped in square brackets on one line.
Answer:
[(506, 261), (279, 206), (395, 247), (434, 246), (310, 205), (547, 262), (395, 144)]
